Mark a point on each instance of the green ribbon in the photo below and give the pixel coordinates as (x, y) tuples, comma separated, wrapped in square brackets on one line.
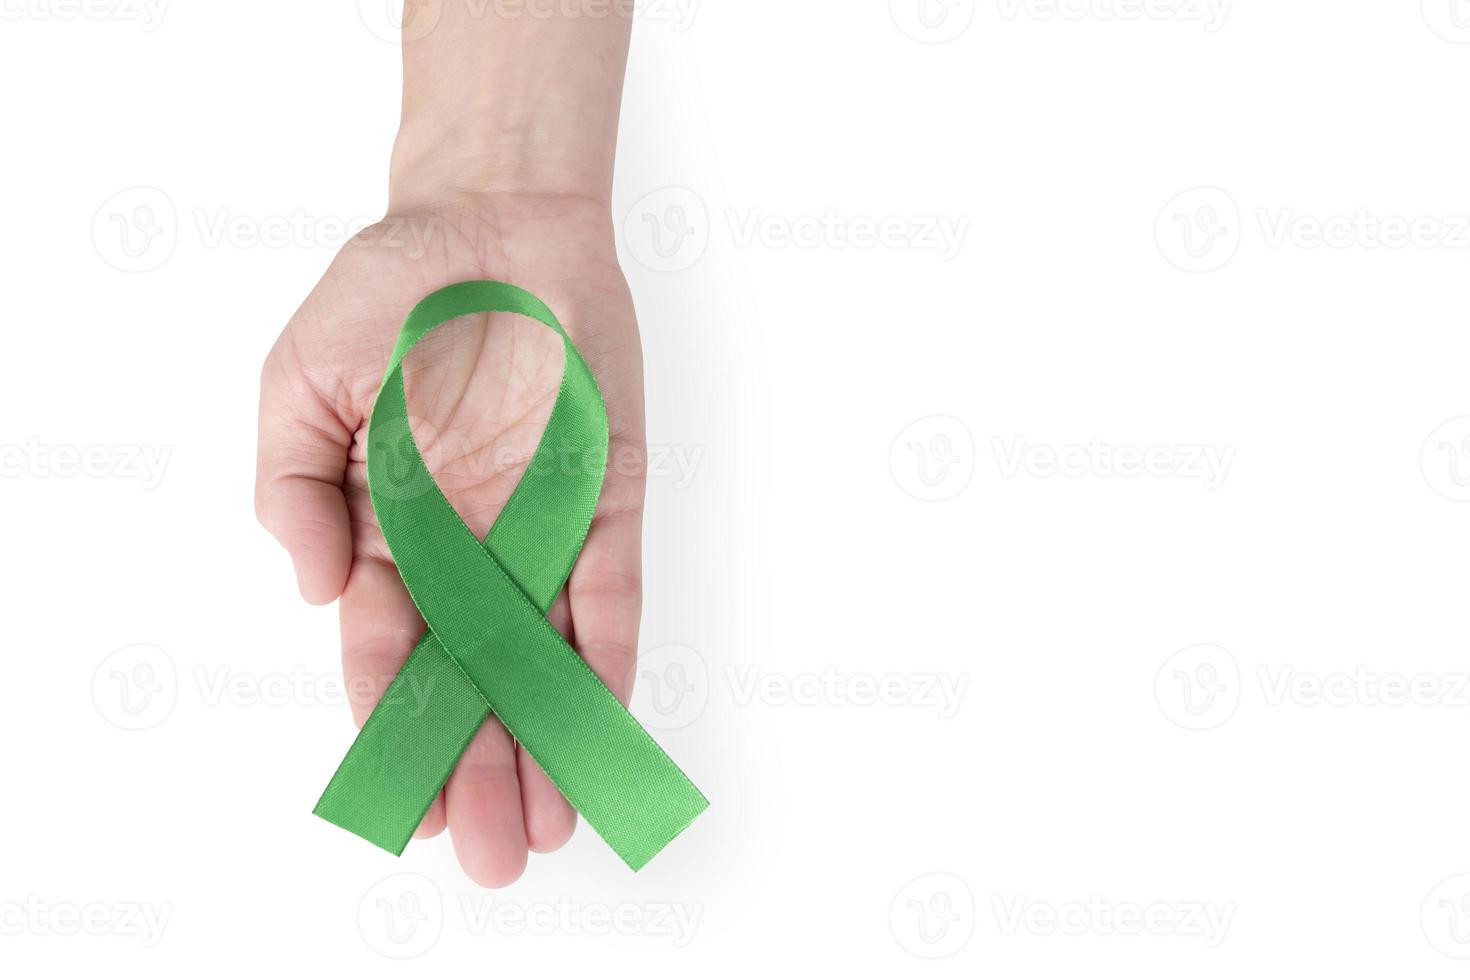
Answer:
[(489, 647)]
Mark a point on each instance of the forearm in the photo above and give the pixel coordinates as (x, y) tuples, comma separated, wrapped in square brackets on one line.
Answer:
[(515, 97)]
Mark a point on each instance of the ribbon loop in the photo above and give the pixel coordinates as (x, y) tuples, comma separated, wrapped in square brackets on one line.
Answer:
[(489, 647)]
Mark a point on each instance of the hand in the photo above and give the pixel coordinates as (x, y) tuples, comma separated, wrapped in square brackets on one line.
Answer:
[(479, 392)]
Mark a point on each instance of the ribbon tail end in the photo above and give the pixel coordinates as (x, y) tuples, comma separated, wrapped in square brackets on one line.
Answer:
[(393, 843), (636, 857)]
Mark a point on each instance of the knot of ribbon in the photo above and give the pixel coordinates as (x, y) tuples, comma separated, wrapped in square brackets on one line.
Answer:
[(489, 648)]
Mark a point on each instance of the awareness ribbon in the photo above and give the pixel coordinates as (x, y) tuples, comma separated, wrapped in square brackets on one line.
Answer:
[(489, 648)]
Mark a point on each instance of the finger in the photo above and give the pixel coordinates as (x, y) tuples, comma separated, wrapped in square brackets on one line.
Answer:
[(606, 585), (380, 628), (483, 800), (300, 459), (435, 820), (549, 818)]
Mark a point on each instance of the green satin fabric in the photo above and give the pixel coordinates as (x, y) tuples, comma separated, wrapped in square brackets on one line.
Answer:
[(489, 647)]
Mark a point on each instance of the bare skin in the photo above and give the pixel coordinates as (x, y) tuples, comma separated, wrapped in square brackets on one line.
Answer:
[(502, 170)]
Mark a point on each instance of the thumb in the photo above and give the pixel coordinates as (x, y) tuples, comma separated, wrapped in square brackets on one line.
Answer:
[(299, 464)]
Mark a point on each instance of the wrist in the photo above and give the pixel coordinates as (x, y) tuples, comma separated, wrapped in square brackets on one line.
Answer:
[(450, 162), (471, 205), (501, 105)]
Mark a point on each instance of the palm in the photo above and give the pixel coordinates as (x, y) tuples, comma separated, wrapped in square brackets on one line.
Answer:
[(479, 393)]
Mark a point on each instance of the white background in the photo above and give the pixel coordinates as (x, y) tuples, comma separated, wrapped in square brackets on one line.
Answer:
[(1203, 720)]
